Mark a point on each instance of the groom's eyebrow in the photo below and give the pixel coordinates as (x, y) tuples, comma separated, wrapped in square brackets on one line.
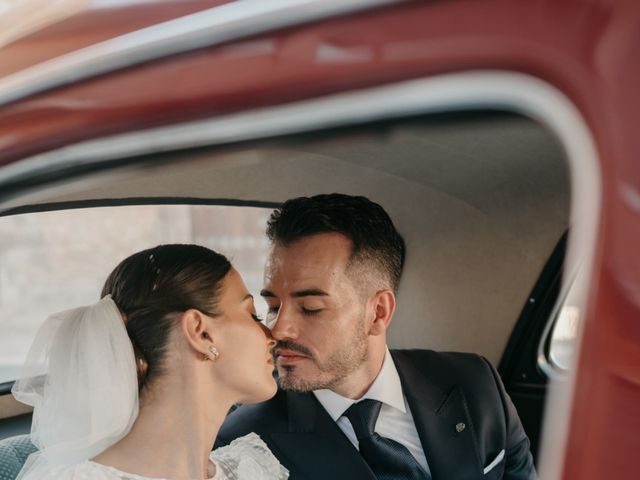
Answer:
[(311, 292)]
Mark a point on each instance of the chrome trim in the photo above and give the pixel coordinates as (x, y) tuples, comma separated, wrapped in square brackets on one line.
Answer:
[(544, 363), (208, 28)]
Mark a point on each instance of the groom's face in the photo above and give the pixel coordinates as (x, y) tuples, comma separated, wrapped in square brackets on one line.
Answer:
[(316, 314)]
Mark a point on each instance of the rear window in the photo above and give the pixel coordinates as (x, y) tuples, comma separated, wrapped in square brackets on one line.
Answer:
[(566, 330), (56, 260)]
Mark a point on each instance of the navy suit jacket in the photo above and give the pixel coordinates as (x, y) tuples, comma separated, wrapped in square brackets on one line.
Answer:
[(443, 390)]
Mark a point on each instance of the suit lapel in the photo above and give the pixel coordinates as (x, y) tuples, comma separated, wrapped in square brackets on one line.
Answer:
[(437, 409), (315, 446)]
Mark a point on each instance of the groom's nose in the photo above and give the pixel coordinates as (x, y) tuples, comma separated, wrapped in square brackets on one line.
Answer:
[(285, 326)]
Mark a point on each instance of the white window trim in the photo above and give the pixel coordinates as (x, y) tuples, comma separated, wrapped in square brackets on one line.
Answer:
[(451, 92)]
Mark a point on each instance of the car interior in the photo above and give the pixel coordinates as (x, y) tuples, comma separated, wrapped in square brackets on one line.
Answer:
[(481, 196)]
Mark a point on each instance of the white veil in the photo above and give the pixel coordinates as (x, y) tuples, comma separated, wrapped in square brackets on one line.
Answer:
[(80, 377)]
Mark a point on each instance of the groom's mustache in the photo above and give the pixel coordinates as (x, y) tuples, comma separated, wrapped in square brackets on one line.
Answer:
[(292, 347)]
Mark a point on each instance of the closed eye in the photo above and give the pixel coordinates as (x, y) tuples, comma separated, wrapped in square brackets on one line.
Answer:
[(308, 312), (257, 318)]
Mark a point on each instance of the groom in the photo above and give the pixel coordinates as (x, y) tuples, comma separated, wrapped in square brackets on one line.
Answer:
[(349, 408)]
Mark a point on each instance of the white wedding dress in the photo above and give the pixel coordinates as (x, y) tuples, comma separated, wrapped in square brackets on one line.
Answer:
[(246, 458), (88, 400)]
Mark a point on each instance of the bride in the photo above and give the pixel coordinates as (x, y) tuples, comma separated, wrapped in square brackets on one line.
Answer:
[(138, 384)]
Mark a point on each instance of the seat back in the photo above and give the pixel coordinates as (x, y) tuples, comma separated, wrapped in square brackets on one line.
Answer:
[(13, 454)]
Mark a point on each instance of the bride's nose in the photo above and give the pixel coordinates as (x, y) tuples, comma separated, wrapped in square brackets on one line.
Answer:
[(267, 333)]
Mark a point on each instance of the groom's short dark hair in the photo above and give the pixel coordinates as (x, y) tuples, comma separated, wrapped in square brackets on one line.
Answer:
[(375, 240)]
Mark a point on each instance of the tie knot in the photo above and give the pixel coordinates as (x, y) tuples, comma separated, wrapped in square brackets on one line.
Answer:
[(363, 416)]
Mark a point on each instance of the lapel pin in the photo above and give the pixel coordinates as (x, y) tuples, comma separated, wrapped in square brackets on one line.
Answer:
[(460, 427)]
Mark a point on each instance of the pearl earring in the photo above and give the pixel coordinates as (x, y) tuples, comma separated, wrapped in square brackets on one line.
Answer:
[(214, 352)]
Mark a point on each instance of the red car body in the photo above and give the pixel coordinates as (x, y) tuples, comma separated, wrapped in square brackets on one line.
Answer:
[(587, 49)]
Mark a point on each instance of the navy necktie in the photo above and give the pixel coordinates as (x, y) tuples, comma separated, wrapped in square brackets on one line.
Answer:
[(388, 459)]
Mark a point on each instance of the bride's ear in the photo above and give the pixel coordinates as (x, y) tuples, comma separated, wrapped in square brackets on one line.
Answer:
[(196, 329)]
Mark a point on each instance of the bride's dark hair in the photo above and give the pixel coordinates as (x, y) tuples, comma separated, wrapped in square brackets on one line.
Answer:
[(152, 286)]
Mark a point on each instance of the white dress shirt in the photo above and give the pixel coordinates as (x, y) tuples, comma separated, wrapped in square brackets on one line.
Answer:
[(395, 420)]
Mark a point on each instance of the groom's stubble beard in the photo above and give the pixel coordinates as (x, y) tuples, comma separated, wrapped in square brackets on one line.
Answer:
[(328, 373)]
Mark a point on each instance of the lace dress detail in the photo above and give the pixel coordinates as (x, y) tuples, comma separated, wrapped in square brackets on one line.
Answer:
[(246, 458)]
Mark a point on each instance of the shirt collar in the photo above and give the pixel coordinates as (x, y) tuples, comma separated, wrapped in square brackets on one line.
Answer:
[(386, 388)]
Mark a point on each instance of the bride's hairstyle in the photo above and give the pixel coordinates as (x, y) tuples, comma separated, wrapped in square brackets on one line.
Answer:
[(153, 286), (88, 399)]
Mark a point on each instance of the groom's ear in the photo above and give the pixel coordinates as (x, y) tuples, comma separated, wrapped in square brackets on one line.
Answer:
[(195, 329), (383, 306)]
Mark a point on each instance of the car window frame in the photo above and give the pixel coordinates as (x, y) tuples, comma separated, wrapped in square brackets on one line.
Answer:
[(461, 91)]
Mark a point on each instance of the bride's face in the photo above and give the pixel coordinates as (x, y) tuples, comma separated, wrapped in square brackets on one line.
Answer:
[(245, 365)]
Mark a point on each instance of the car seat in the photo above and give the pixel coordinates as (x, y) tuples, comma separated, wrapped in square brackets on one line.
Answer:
[(13, 453)]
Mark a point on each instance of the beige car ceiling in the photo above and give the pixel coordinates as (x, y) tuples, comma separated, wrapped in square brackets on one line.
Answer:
[(480, 199)]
